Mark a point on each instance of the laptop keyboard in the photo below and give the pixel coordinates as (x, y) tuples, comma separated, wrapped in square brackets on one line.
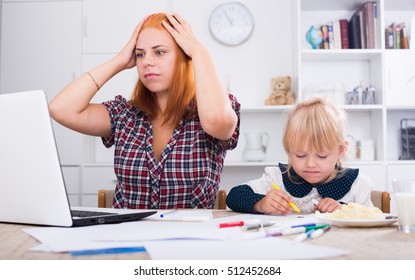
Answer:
[(84, 213)]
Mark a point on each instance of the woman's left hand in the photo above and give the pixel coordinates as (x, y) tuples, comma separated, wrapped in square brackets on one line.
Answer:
[(328, 205), (182, 33)]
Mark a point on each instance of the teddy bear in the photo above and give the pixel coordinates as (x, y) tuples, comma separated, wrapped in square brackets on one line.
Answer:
[(281, 92)]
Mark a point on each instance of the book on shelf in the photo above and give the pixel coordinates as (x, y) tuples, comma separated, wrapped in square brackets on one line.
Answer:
[(354, 32), (362, 22), (396, 36), (331, 35), (344, 33), (337, 35), (370, 20), (376, 24), (389, 36), (404, 38), (325, 32)]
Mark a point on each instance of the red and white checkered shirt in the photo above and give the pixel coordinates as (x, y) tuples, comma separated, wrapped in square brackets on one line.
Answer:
[(188, 172)]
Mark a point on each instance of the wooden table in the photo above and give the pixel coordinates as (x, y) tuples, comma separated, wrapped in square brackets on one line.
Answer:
[(378, 243)]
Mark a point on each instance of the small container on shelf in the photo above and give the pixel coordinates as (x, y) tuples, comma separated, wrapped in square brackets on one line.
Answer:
[(368, 95), (407, 139)]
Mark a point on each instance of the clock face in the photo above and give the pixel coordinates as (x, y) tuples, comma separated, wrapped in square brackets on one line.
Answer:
[(231, 23)]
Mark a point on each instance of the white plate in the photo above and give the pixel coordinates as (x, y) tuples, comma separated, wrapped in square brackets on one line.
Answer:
[(357, 223)]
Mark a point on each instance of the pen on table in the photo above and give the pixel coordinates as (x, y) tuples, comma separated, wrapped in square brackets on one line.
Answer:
[(297, 230), (293, 206), (239, 223), (257, 226), (263, 234), (167, 213), (319, 232), (286, 231)]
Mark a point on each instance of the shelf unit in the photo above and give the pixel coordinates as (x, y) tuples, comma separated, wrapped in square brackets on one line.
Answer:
[(388, 70)]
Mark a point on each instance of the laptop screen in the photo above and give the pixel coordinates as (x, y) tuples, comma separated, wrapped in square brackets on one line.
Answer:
[(31, 182)]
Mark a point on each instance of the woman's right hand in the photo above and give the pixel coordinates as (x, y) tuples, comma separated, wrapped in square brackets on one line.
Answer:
[(126, 57), (274, 202)]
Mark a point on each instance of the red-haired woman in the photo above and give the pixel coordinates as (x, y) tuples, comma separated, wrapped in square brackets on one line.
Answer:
[(171, 137)]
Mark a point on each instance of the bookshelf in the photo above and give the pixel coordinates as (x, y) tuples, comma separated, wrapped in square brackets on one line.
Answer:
[(390, 71)]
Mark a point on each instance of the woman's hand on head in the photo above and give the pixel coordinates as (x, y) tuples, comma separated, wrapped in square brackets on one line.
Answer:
[(274, 202), (182, 33), (328, 205), (126, 57)]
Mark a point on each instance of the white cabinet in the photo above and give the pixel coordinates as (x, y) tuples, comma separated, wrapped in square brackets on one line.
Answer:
[(399, 78), (41, 49)]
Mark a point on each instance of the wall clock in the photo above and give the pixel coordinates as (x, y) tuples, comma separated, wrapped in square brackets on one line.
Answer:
[(231, 23)]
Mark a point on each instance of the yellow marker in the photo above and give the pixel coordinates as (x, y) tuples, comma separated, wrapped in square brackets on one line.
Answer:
[(293, 206)]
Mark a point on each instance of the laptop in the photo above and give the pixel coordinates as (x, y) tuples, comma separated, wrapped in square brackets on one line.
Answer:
[(32, 187)]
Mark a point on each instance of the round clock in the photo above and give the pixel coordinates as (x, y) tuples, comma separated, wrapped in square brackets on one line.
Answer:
[(231, 23)]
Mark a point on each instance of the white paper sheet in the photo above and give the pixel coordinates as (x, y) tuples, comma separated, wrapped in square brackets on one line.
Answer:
[(260, 249), (160, 234), (95, 237), (72, 239)]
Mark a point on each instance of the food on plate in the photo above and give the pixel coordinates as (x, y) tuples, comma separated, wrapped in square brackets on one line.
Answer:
[(355, 211)]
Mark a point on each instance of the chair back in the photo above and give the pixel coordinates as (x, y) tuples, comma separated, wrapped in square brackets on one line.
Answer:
[(105, 197), (381, 200)]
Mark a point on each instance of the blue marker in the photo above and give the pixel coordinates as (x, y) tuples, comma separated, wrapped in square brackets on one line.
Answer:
[(304, 225), (121, 250), (303, 236)]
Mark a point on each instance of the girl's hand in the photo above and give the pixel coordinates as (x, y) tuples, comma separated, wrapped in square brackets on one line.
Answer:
[(328, 205), (274, 202), (182, 33), (126, 56)]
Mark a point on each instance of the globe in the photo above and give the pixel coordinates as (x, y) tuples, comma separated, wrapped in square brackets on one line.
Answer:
[(314, 37)]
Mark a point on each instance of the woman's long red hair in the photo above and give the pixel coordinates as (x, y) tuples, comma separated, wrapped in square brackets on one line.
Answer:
[(182, 91)]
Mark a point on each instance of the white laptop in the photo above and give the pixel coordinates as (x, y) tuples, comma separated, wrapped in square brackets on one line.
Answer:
[(32, 188)]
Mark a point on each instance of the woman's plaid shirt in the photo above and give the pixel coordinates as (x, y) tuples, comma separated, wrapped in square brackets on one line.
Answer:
[(188, 172)]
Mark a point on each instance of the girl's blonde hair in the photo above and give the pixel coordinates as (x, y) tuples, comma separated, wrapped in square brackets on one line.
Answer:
[(182, 101), (315, 124)]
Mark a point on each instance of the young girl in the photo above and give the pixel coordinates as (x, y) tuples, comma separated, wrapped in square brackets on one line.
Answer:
[(171, 137), (315, 145)]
